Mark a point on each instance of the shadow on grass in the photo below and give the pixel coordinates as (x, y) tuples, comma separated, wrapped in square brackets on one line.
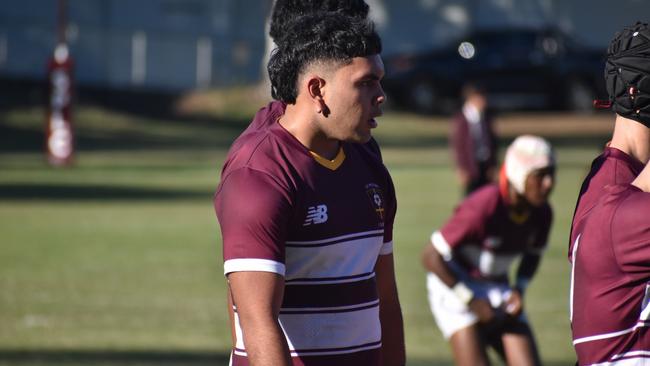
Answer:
[(597, 141), (100, 357), (155, 109), (143, 107), (204, 133), (32, 191)]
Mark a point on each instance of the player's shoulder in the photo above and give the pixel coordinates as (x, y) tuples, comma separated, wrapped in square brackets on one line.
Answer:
[(627, 197), (486, 199), (624, 208), (487, 193), (262, 150)]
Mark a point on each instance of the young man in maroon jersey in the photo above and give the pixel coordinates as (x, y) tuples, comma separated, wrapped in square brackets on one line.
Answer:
[(628, 86), (306, 209), (469, 258), (610, 297), (610, 242)]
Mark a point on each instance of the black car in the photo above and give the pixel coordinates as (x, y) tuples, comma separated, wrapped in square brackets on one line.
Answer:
[(518, 68)]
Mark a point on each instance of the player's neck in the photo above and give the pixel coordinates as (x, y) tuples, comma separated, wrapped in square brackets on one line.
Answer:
[(632, 138), (518, 203), (300, 121)]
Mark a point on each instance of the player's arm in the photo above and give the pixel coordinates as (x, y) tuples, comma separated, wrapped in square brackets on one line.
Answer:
[(253, 232), (525, 272), (435, 258), (393, 351), (258, 297)]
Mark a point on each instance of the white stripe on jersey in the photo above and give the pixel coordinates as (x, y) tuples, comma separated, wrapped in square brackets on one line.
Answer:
[(387, 248), (352, 349), (254, 265), (634, 358), (346, 258), (573, 275), (326, 333), (328, 309), (609, 335), (336, 238), (331, 281)]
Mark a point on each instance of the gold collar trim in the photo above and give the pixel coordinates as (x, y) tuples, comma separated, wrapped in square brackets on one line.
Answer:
[(519, 218), (330, 164)]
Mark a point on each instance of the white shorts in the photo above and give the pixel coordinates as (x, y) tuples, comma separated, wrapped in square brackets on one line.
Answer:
[(450, 313)]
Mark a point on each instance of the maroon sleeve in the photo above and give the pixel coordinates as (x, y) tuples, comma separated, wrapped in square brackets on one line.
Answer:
[(630, 230), (253, 211), (470, 217)]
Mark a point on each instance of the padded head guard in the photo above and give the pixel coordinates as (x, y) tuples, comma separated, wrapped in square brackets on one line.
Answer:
[(524, 155), (627, 73)]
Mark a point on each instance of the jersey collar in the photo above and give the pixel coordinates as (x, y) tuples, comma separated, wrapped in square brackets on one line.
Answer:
[(330, 164)]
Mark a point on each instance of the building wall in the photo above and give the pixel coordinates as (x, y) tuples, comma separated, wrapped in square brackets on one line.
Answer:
[(159, 44), (184, 44)]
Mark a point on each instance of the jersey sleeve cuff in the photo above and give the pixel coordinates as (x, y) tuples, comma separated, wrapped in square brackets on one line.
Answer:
[(253, 265), (386, 248), (438, 241)]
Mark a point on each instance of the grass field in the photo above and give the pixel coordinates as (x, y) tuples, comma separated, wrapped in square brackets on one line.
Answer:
[(117, 261)]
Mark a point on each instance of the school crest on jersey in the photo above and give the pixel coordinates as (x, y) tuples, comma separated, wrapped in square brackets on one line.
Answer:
[(376, 197)]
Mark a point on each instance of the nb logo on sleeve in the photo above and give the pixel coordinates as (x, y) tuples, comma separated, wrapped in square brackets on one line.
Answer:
[(316, 215)]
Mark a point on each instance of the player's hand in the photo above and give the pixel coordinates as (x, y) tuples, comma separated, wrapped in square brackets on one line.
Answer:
[(514, 304), (482, 309)]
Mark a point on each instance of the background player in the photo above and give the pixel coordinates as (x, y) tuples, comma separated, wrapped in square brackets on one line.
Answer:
[(469, 259), (473, 142), (306, 209), (628, 84)]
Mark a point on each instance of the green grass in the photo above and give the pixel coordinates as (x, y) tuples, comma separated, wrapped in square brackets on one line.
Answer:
[(117, 261)]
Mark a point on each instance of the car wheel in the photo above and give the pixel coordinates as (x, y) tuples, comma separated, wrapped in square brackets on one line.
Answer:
[(580, 97), (423, 96)]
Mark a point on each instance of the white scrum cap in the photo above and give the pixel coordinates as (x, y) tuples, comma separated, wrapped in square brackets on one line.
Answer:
[(525, 154)]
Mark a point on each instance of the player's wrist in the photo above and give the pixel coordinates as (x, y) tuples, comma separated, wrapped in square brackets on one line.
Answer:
[(464, 293), (522, 284)]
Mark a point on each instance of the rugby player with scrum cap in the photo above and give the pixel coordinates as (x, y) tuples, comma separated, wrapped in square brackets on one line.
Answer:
[(610, 238), (469, 259)]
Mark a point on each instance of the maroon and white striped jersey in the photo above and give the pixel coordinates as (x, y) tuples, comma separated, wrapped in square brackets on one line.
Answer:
[(610, 288), (484, 238), (320, 224)]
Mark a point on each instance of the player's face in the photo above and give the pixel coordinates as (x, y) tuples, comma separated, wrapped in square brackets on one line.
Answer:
[(539, 185), (354, 98)]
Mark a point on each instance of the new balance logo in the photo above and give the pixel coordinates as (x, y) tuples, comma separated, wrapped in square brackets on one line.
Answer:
[(316, 215)]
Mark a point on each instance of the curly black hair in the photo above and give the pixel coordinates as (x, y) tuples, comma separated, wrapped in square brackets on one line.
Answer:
[(286, 10), (318, 37)]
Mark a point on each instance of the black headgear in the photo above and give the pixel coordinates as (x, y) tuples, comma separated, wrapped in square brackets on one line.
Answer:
[(627, 73)]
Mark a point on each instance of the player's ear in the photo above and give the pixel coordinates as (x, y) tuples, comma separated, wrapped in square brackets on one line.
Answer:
[(315, 88)]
